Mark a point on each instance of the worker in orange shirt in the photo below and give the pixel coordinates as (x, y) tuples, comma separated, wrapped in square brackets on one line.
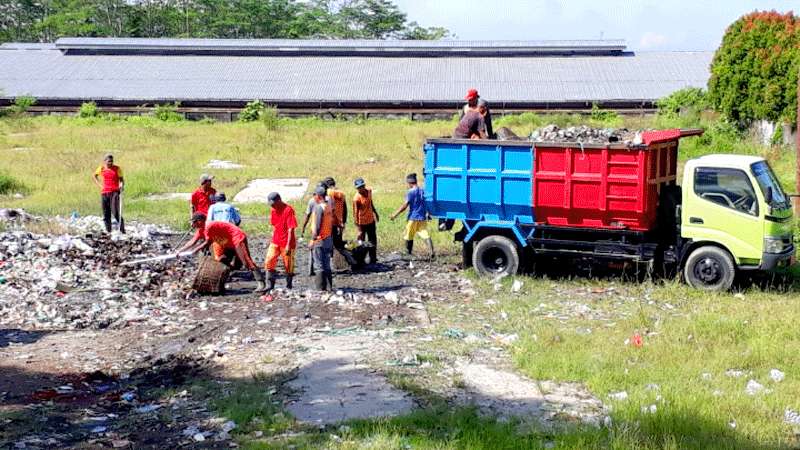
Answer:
[(321, 244), (283, 242), (111, 188), (366, 217), (339, 203), (222, 237)]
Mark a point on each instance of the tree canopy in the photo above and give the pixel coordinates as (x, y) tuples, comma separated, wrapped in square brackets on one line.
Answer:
[(754, 72), (47, 20)]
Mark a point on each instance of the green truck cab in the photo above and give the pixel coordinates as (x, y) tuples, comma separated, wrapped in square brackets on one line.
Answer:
[(733, 216)]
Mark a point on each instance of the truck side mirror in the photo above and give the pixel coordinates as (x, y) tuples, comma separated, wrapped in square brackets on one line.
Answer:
[(768, 195)]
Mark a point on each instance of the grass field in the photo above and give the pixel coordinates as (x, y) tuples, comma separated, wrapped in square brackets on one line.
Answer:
[(678, 393)]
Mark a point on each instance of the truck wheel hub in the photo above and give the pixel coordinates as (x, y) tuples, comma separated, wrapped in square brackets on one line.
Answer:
[(495, 260), (707, 270)]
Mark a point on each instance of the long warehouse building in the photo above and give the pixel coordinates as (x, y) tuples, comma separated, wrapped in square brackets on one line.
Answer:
[(217, 77)]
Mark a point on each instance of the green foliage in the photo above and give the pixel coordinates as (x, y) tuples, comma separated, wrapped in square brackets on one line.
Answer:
[(269, 118), (88, 109), (168, 112), (685, 101), (754, 72), (28, 20), (9, 185), (22, 104), (603, 115), (777, 136), (252, 111)]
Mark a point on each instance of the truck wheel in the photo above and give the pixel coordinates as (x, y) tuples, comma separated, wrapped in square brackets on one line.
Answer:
[(495, 255), (466, 253), (710, 269)]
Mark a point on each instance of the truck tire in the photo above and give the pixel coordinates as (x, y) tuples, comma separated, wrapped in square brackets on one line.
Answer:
[(710, 269), (496, 255)]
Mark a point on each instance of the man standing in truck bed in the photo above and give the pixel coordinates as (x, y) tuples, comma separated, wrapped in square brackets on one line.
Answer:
[(417, 215)]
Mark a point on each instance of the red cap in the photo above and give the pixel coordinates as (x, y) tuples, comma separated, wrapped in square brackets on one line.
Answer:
[(471, 94)]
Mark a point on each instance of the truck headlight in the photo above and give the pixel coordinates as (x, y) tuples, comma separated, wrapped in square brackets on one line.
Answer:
[(774, 245)]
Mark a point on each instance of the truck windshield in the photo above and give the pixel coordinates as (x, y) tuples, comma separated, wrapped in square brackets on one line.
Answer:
[(766, 179)]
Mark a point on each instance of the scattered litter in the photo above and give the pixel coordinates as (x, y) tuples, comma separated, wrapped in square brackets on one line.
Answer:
[(649, 409), (516, 286), (776, 375), (147, 408), (406, 361), (791, 417), (506, 339), (454, 333), (199, 437), (257, 191), (753, 387), (737, 373), (706, 376), (99, 429), (732, 424), (621, 395)]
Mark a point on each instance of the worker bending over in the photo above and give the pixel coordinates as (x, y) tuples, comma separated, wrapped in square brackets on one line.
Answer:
[(472, 125), (222, 237), (366, 217), (111, 188), (283, 242), (417, 215), (321, 244)]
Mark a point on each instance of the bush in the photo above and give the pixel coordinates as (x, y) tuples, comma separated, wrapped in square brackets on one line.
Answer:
[(168, 112), (687, 100), (252, 111), (754, 72), (603, 115), (88, 109), (22, 104), (269, 117), (9, 185)]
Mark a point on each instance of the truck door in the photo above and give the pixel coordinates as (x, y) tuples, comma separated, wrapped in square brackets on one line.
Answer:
[(721, 206)]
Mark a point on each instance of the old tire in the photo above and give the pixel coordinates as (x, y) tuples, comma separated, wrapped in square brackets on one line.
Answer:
[(496, 255), (709, 269)]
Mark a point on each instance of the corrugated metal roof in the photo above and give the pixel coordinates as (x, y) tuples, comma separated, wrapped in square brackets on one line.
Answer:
[(324, 45), (50, 74)]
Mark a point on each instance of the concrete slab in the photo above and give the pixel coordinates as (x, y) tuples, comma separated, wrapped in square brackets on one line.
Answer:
[(258, 190), (223, 165), (170, 196), (335, 386)]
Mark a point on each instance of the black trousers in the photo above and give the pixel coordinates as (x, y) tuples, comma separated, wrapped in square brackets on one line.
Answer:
[(110, 203), (371, 232)]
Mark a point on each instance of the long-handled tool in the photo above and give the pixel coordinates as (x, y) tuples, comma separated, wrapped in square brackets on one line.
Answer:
[(120, 220), (156, 258)]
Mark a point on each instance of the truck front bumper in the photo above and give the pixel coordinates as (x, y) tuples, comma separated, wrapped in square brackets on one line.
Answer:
[(772, 261)]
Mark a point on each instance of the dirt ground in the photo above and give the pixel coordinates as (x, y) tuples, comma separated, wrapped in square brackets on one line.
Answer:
[(325, 356)]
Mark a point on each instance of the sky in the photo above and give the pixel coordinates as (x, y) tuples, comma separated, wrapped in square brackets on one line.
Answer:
[(643, 24)]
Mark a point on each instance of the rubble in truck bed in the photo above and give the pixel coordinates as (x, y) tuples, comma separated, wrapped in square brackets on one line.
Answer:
[(73, 280), (586, 134)]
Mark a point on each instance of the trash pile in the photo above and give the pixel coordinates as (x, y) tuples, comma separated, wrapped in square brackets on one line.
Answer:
[(586, 134), (74, 280)]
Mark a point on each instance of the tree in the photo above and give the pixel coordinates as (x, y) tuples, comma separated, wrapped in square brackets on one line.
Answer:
[(754, 72)]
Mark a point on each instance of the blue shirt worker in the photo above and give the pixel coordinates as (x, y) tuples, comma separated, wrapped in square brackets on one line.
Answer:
[(220, 211), (417, 215)]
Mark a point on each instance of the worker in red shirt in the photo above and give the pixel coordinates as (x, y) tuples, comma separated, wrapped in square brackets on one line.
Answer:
[(222, 236), (111, 187), (201, 198), (283, 242)]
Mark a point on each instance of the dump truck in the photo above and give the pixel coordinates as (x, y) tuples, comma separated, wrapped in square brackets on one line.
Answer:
[(611, 203)]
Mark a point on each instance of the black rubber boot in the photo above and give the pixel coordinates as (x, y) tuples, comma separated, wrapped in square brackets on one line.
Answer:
[(289, 279), (259, 277), (271, 280), (329, 280), (320, 281), (429, 241), (409, 247)]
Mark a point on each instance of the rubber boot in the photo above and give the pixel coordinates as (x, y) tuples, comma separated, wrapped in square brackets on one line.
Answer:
[(271, 280), (429, 241), (289, 278), (329, 280), (409, 247), (320, 281), (259, 277)]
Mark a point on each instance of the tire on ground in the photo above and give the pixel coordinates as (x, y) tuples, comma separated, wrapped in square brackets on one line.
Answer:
[(495, 255), (710, 269)]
